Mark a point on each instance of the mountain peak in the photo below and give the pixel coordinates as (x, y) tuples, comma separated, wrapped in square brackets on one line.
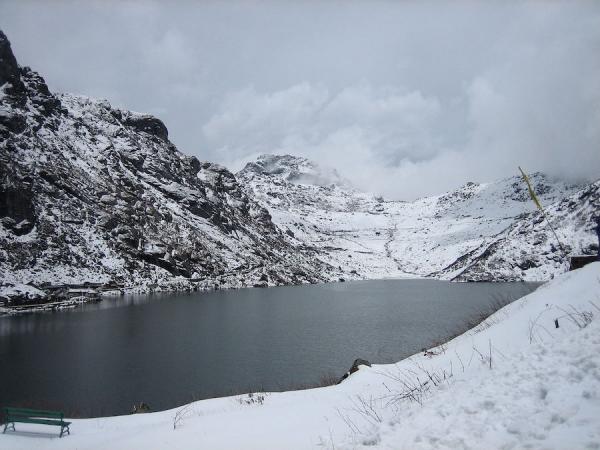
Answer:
[(9, 68), (292, 169), (17, 85)]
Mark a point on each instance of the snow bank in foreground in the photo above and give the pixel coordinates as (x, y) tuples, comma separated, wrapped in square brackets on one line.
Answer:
[(514, 381)]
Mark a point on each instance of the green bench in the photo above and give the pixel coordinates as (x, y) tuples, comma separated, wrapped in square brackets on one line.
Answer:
[(23, 415)]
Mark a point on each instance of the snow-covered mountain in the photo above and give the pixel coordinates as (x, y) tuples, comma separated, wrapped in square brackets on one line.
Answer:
[(485, 231), (350, 229), (92, 193), (528, 250)]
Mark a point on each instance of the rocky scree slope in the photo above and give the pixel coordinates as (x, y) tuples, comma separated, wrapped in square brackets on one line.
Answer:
[(487, 231), (92, 193)]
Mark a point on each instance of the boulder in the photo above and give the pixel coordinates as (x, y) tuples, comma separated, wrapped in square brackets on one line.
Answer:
[(108, 199), (355, 366)]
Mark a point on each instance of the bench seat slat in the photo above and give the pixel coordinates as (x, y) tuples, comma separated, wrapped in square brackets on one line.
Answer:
[(32, 412), (34, 416)]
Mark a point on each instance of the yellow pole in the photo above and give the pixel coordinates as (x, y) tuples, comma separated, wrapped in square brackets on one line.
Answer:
[(539, 206)]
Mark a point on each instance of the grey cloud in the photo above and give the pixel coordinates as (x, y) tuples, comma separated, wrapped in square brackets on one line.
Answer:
[(305, 119), (405, 98)]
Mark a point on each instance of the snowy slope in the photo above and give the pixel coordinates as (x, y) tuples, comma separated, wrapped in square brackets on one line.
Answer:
[(443, 236), (92, 193), (528, 250), (514, 381), (349, 228)]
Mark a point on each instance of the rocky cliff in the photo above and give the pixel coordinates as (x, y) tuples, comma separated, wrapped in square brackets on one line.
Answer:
[(93, 193)]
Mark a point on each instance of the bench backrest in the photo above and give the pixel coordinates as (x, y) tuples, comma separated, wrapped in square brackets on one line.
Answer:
[(26, 412)]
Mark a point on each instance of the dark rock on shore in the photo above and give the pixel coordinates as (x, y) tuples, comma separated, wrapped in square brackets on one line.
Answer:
[(355, 366)]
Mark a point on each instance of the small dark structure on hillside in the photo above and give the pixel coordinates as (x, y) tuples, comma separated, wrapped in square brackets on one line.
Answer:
[(577, 262)]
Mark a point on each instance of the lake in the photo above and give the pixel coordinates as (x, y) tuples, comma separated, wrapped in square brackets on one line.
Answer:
[(170, 349)]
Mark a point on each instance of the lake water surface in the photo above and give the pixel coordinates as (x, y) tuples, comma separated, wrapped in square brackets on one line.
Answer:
[(166, 350)]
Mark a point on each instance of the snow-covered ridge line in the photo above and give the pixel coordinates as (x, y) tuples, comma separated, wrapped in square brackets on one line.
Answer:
[(514, 381), (477, 232)]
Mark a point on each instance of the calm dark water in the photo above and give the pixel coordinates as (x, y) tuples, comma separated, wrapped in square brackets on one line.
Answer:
[(166, 350)]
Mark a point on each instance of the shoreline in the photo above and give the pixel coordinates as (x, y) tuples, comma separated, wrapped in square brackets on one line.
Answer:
[(98, 293)]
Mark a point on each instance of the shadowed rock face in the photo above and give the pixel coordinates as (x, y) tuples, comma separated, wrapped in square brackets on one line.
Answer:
[(17, 211), (147, 124), (89, 192), (9, 69)]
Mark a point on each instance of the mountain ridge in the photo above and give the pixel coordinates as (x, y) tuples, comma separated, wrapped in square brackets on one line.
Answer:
[(442, 236), (90, 193)]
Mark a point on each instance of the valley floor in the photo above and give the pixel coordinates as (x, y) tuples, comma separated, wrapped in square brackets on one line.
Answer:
[(514, 381)]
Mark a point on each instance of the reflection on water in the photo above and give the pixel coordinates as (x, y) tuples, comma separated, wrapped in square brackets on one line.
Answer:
[(164, 349)]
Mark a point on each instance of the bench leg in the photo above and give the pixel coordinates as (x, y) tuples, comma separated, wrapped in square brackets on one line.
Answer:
[(64, 429), (7, 424)]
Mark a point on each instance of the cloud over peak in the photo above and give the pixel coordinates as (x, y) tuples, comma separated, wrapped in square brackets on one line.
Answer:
[(404, 98)]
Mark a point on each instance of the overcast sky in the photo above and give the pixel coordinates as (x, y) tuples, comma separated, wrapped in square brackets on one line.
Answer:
[(403, 98)]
